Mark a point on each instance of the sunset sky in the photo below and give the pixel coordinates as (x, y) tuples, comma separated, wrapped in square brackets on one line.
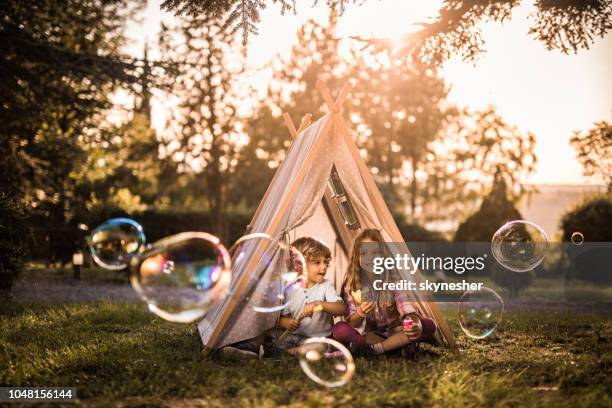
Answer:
[(545, 92)]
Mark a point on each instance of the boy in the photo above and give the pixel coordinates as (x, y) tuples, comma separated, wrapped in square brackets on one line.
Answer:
[(311, 308)]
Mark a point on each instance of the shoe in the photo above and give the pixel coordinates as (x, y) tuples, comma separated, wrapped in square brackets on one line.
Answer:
[(243, 349)]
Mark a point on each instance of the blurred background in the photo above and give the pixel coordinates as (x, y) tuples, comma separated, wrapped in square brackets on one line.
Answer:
[(468, 114)]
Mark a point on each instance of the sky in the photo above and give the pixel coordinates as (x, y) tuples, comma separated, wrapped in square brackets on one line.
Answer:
[(545, 92)]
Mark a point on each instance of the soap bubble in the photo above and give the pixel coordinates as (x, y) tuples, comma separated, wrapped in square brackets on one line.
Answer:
[(272, 270), (519, 245), (326, 361), (577, 238), (114, 243), (181, 276), (480, 312)]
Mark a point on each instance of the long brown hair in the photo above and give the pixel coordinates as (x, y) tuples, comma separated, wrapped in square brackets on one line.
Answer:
[(352, 281)]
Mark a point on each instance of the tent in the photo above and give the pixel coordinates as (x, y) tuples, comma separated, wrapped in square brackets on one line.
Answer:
[(323, 188)]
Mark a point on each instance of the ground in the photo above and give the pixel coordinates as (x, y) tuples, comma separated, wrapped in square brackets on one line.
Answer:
[(116, 353)]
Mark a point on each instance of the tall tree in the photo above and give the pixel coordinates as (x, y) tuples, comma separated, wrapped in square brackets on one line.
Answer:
[(292, 90), (401, 106), (474, 149), (204, 136), (59, 67), (594, 149)]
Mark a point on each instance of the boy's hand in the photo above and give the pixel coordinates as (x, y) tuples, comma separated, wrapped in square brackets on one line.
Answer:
[(309, 308), (288, 323), (416, 329)]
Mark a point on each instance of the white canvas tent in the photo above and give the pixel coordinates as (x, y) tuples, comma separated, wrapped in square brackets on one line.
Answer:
[(301, 202)]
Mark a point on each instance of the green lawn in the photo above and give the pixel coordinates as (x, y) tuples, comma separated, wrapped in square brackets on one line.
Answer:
[(120, 352)]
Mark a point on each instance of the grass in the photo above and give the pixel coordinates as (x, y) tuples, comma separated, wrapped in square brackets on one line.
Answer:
[(120, 353)]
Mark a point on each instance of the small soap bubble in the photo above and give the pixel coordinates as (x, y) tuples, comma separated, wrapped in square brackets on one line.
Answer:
[(181, 276), (480, 312), (577, 238), (519, 245), (114, 243), (326, 361)]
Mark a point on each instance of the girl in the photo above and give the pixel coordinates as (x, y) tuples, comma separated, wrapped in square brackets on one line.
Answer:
[(386, 320)]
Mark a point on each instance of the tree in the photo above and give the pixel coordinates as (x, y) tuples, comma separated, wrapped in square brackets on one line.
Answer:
[(594, 149), (59, 66), (475, 149), (203, 137), (292, 90), (400, 106), (566, 25)]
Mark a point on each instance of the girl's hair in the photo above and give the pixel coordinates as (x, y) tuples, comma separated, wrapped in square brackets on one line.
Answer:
[(352, 281), (312, 248)]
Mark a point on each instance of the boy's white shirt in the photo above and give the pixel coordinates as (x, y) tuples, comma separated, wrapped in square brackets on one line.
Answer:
[(320, 324)]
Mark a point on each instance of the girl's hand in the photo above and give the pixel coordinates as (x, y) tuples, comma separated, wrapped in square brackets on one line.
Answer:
[(367, 307), (288, 323), (416, 329)]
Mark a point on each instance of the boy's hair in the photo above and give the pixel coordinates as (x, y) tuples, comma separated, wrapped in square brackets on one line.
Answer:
[(312, 248)]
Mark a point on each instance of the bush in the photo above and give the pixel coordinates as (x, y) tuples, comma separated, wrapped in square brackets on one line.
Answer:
[(495, 211), (592, 217), (12, 231), (513, 281), (59, 243)]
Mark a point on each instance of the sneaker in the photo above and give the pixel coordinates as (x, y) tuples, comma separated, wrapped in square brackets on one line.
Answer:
[(243, 349)]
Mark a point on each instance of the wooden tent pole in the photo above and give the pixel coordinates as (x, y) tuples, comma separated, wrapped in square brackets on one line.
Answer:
[(289, 124)]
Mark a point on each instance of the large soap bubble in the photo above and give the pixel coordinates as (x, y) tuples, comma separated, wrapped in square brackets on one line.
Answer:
[(480, 312), (114, 243), (181, 276), (326, 361), (272, 270), (519, 245)]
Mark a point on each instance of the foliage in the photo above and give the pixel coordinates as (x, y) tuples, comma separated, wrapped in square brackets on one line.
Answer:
[(59, 66), (12, 233), (591, 218), (122, 354), (514, 282), (495, 211), (565, 25), (473, 149), (594, 149), (204, 137), (399, 105)]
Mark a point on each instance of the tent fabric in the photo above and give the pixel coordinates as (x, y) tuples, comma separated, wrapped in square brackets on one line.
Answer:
[(293, 206)]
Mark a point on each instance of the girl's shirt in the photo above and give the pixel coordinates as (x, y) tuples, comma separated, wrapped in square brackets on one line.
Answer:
[(386, 314), (321, 323)]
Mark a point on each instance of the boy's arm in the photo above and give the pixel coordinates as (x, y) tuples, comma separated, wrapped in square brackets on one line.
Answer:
[(333, 308)]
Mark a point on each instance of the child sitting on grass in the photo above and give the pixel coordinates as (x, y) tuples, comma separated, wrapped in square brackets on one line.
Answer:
[(381, 322), (310, 308)]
